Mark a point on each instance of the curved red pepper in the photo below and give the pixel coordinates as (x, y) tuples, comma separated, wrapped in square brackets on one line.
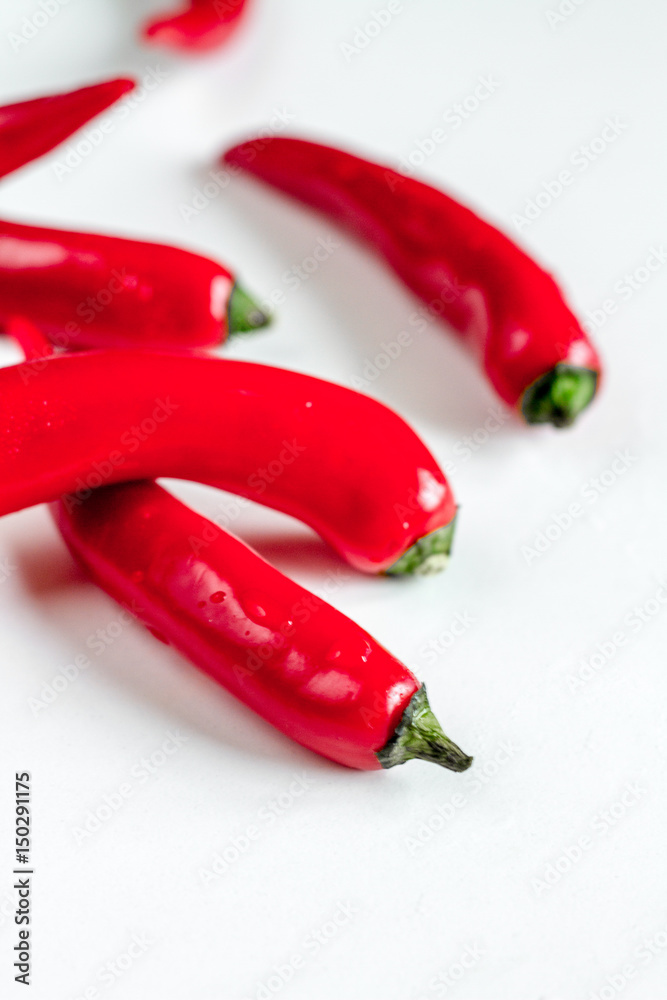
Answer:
[(31, 128), (86, 290), (202, 25), (512, 313), (341, 462), (298, 662)]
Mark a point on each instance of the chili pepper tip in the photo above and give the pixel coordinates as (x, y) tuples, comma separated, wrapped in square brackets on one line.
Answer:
[(419, 736), (243, 313), (428, 555), (121, 85), (559, 396)]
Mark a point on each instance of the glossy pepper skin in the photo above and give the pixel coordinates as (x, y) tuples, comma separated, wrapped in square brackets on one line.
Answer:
[(341, 462), (201, 26), (86, 290), (31, 128), (510, 311), (299, 663)]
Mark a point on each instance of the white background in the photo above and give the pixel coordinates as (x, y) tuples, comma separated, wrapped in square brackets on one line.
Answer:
[(435, 867)]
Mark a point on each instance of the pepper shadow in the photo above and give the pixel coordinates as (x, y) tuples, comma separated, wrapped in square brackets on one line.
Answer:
[(298, 553)]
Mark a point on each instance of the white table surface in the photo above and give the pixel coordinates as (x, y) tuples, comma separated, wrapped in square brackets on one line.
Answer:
[(540, 873)]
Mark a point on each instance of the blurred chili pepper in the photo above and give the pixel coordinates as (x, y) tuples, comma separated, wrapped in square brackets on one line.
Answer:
[(202, 25), (31, 128), (341, 462), (532, 347), (299, 663), (86, 290)]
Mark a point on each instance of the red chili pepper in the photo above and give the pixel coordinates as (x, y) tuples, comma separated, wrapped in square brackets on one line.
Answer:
[(85, 290), (533, 349), (342, 462), (203, 25), (299, 663), (31, 128)]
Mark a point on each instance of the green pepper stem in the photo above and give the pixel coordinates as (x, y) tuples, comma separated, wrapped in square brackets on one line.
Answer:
[(420, 736), (428, 555), (559, 396), (243, 313)]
